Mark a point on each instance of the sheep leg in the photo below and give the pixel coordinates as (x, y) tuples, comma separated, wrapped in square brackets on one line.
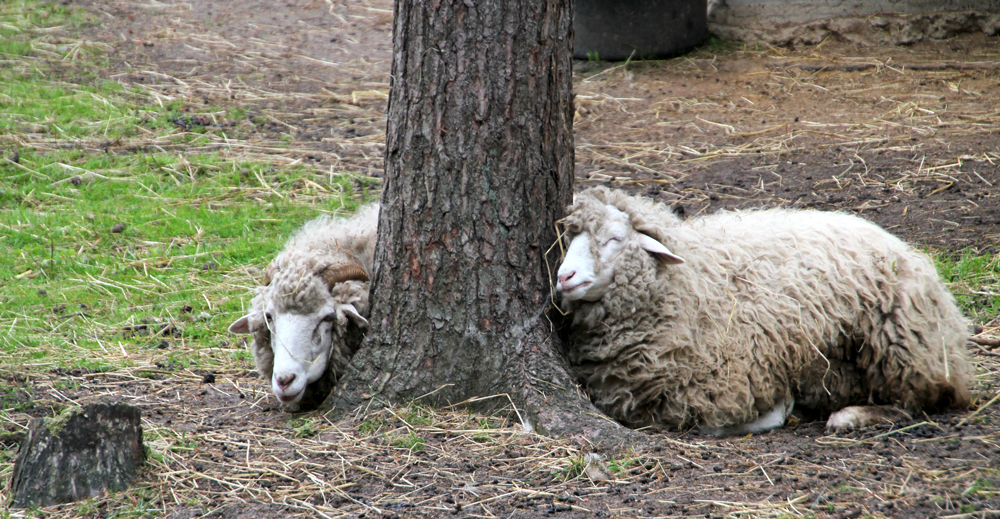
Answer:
[(857, 416), (770, 420)]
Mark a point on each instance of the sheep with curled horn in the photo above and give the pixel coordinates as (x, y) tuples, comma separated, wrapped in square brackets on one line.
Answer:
[(310, 315), (727, 321)]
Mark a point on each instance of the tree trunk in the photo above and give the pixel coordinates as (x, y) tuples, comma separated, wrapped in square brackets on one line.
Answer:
[(479, 166)]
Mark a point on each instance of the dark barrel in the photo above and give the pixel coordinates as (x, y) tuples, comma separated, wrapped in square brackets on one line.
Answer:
[(614, 30)]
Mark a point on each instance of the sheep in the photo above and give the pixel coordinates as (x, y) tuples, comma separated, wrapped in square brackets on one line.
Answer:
[(728, 321), (309, 316)]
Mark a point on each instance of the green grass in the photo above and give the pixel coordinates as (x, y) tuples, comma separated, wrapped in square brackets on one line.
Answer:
[(418, 415), (411, 442), (147, 239), (577, 466), (985, 486), (19, 18), (975, 281), (372, 424), (14, 399), (50, 89), (304, 427), (617, 466), (127, 238)]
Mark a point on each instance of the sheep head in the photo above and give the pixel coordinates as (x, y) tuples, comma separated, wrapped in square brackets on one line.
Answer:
[(305, 321), (598, 233)]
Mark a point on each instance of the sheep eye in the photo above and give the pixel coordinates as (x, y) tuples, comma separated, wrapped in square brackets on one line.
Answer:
[(268, 316), (611, 239)]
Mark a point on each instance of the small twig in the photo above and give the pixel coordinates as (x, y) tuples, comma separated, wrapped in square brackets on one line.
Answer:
[(977, 411), (915, 66), (988, 342), (901, 430), (984, 351)]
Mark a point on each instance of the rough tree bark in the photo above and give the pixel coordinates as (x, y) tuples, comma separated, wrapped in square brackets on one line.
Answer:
[(479, 166), (81, 453)]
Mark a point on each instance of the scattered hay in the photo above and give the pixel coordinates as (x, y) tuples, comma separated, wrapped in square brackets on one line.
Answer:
[(219, 445)]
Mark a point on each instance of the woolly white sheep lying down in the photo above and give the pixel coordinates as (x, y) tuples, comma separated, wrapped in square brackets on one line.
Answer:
[(727, 321), (309, 316)]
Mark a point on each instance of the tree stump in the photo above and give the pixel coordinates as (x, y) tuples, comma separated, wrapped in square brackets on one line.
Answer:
[(80, 453)]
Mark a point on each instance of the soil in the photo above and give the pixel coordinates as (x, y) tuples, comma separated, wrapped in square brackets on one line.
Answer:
[(908, 137)]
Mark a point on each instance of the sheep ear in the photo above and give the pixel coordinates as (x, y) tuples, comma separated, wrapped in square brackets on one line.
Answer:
[(242, 325), (354, 316), (658, 249)]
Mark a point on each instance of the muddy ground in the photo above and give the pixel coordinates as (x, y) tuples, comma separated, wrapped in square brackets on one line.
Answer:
[(908, 137)]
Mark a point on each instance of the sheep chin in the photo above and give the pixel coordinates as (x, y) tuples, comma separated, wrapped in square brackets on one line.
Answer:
[(575, 292), (287, 399)]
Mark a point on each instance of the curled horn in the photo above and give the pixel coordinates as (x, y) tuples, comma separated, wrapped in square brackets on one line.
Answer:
[(269, 274), (339, 272)]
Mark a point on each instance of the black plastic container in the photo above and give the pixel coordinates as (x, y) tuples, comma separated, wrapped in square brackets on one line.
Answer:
[(614, 30)]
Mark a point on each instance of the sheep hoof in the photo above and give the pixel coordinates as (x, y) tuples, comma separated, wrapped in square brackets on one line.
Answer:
[(772, 419), (855, 417)]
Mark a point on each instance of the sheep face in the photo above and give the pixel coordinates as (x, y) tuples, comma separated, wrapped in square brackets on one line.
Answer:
[(598, 235), (304, 323), (302, 344)]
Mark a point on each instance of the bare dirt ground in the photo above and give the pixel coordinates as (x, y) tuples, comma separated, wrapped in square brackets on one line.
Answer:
[(906, 136)]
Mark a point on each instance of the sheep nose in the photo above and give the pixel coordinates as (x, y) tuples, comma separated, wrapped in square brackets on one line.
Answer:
[(563, 278), (283, 383)]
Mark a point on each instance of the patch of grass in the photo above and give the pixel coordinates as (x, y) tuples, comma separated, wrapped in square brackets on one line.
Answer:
[(418, 415), (15, 399), (975, 281), (412, 442), (178, 443), (118, 251), (618, 466), (147, 251), (7, 455), (86, 507), (371, 425), (304, 427), (66, 111), (51, 89), (576, 467), (483, 424), (57, 89), (244, 357), (141, 503), (22, 18), (983, 486), (714, 45)]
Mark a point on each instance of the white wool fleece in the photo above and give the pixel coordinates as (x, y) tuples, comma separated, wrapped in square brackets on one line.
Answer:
[(826, 308)]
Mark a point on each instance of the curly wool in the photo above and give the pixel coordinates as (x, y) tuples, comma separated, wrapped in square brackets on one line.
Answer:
[(295, 287), (825, 307)]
